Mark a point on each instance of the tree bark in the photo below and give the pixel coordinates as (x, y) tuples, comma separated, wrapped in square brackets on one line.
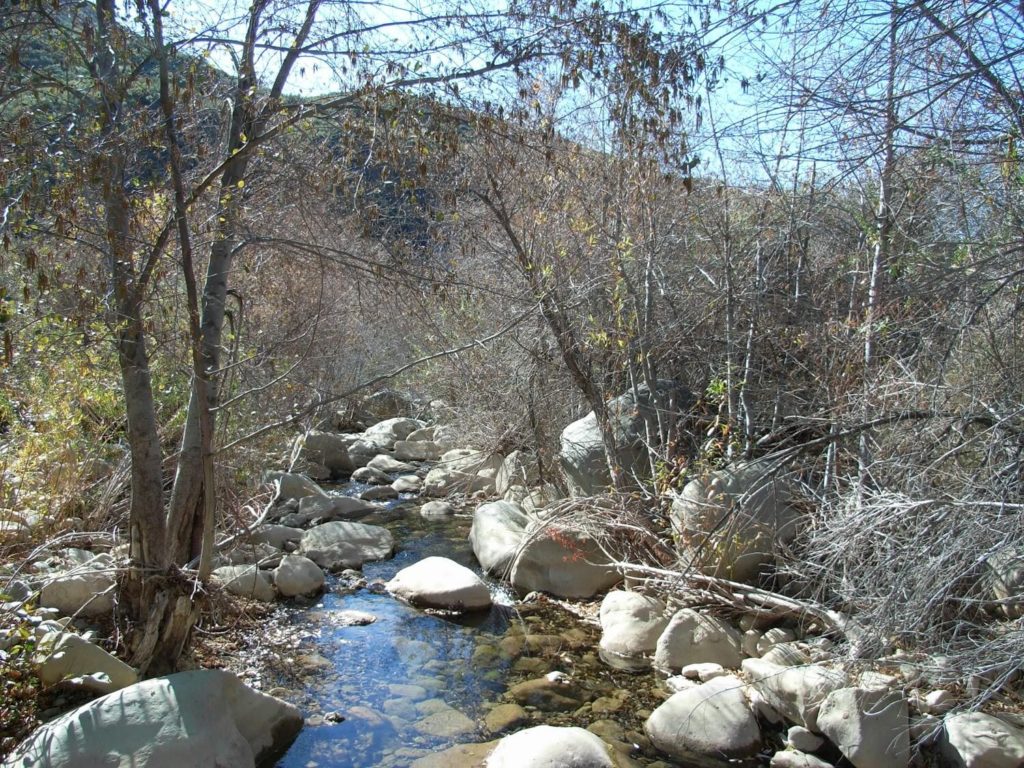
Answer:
[(190, 514)]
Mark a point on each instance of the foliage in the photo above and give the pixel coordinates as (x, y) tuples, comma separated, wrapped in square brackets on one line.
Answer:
[(19, 686)]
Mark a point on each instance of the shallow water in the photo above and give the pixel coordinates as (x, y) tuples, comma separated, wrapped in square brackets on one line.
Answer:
[(409, 669), (414, 683)]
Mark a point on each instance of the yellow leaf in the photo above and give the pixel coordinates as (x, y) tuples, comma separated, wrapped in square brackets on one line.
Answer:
[(241, 183)]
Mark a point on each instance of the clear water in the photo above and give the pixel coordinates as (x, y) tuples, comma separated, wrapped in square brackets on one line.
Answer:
[(400, 682)]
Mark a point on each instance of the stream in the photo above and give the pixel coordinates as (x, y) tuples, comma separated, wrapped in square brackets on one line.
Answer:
[(412, 682)]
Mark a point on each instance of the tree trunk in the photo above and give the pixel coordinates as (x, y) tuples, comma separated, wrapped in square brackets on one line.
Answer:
[(190, 514)]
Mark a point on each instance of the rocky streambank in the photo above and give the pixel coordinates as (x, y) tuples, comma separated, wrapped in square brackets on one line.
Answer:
[(642, 673)]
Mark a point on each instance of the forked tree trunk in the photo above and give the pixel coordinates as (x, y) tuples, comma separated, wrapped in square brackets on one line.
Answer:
[(155, 597)]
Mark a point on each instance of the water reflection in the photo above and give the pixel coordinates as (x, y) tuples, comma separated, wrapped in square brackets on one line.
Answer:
[(404, 684)]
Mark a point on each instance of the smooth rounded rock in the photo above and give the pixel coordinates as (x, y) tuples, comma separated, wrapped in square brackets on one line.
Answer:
[(546, 746), (339, 545), (388, 464), (732, 521), (85, 592), (66, 656), (407, 484), (498, 530), (298, 575), (692, 637), (631, 624), (793, 758), (437, 582), (977, 740), (437, 509), (198, 718), (712, 720), (563, 562), (870, 727), (801, 739), (293, 486), (796, 693), (245, 581)]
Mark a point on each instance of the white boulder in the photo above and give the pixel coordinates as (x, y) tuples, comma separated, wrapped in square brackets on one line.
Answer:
[(277, 536), (518, 468), (794, 758), (796, 693), (562, 561), (692, 638), (391, 430), (327, 508), (463, 470), (298, 575), (389, 464), (437, 582), (245, 581), (65, 656), (370, 475), (416, 450), (201, 718), (870, 727), (631, 624), (712, 720), (407, 484), (293, 486), (437, 509), (732, 520), (547, 746), (498, 530), (328, 449), (339, 545), (977, 740), (84, 592)]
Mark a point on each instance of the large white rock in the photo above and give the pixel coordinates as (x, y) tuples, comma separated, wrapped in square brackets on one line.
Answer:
[(870, 727), (498, 529), (977, 740), (293, 486), (462, 470), (85, 592), (340, 545), (64, 656), (796, 693), (547, 746), (365, 447), (712, 720), (631, 624), (732, 520), (198, 718), (437, 582), (327, 449), (372, 476), (298, 575), (693, 638), (518, 468), (563, 562), (582, 453), (388, 464), (416, 450), (245, 581), (437, 509), (328, 508), (423, 433), (392, 430), (407, 484), (277, 536)]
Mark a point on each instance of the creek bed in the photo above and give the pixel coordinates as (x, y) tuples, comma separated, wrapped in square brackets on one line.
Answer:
[(414, 683)]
